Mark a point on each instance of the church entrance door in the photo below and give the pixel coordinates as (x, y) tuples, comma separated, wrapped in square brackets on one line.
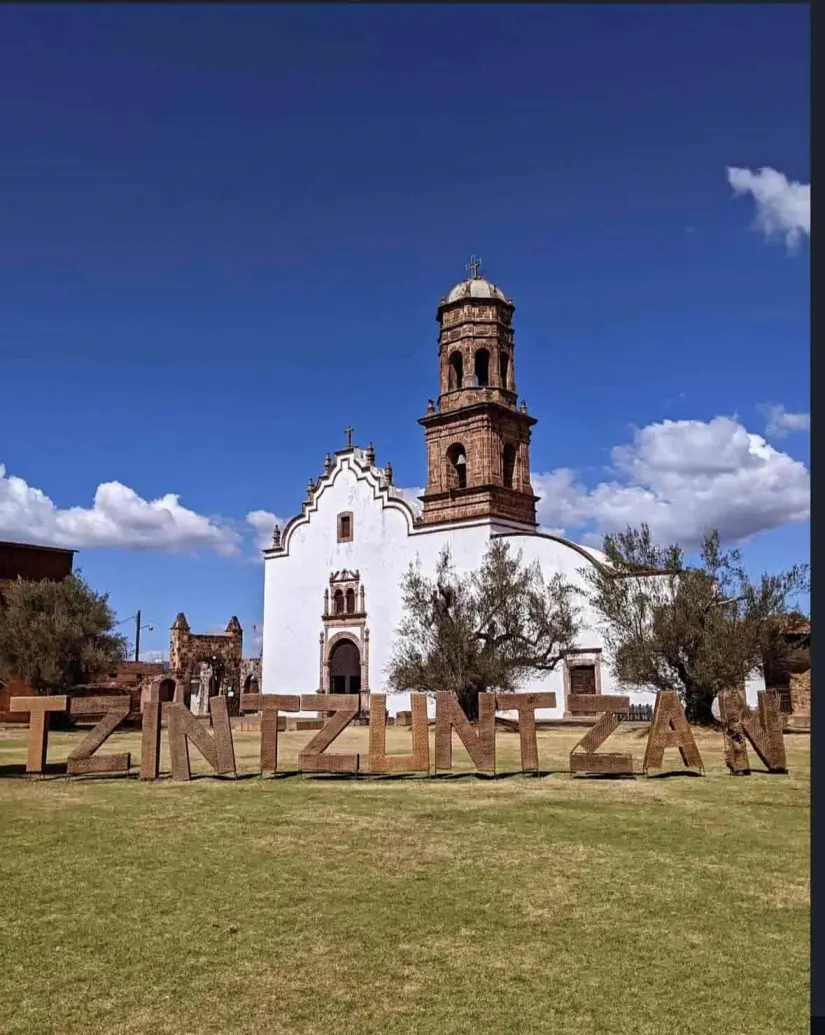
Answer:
[(345, 668)]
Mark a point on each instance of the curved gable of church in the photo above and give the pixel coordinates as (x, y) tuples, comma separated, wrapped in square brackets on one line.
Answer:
[(350, 493)]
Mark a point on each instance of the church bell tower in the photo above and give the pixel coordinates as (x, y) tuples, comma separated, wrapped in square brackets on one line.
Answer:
[(478, 437)]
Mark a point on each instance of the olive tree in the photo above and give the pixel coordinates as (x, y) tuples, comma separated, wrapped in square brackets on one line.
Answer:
[(486, 630)]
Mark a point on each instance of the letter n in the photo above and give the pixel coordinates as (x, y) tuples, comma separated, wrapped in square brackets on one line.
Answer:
[(480, 746), (764, 732), (218, 750), (670, 729)]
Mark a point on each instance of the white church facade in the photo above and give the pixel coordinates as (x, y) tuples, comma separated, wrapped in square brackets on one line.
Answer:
[(332, 596)]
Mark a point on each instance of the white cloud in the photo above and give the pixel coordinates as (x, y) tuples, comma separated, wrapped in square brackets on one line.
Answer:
[(783, 207), (263, 522), (118, 517), (411, 496), (152, 656), (682, 478), (779, 422)]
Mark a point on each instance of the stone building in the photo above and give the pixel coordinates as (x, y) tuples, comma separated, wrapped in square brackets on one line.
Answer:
[(204, 665), (790, 673), (332, 599)]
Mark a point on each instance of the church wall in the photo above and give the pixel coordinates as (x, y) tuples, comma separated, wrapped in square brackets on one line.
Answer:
[(381, 550)]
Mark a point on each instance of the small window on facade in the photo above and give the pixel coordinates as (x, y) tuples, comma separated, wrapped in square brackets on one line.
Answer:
[(345, 528), (350, 601), (338, 602), (583, 679)]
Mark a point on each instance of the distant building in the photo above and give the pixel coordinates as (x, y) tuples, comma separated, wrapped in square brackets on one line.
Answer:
[(34, 564), (790, 673)]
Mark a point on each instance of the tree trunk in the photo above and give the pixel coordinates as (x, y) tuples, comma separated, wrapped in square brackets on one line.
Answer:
[(698, 703), (468, 699)]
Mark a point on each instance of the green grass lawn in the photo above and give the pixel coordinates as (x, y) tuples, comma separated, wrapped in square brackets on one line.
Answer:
[(381, 906)]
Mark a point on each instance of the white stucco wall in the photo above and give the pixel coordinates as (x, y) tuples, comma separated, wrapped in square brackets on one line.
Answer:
[(381, 550), (385, 541)]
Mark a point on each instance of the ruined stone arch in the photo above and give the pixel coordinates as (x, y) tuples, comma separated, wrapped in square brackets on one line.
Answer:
[(222, 651)]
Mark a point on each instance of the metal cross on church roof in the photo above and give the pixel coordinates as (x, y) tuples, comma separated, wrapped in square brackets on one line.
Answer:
[(348, 432), (474, 267)]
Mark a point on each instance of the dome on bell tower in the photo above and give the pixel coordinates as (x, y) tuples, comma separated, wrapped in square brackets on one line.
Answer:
[(475, 286), (478, 437)]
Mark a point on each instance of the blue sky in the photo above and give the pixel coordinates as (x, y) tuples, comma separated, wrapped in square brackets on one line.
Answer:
[(224, 232)]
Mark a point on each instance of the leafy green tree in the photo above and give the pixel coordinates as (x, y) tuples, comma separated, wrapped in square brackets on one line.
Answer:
[(56, 635), (484, 631), (697, 628)]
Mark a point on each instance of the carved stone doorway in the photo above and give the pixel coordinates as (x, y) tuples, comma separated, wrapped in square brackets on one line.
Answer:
[(345, 668)]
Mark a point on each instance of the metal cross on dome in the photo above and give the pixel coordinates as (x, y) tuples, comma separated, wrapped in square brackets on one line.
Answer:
[(474, 267)]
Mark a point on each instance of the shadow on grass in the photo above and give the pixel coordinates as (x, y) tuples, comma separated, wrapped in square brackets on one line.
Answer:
[(673, 772), (17, 770)]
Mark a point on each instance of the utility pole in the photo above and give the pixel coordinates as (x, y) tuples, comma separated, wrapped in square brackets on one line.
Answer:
[(137, 636)]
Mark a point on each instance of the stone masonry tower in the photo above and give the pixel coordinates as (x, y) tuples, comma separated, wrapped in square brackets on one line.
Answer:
[(478, 438)]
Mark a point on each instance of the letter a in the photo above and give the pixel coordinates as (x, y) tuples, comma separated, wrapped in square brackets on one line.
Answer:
[(670, 729)]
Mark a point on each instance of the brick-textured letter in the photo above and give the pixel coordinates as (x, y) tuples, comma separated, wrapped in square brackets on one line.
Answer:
[(38, 709), (217, 749), (670, 729), (764, 732), (150, 740), (380, 761), (481, 745), (612, 708), (341, 709), (526, 705), (83, 759), (270, 706)]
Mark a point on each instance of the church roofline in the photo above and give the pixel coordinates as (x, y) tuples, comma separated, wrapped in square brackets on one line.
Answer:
[(588, 554), (349, 459), (556, 539)]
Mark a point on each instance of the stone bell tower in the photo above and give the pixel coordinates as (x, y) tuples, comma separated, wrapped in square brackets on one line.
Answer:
[(478, 438)]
